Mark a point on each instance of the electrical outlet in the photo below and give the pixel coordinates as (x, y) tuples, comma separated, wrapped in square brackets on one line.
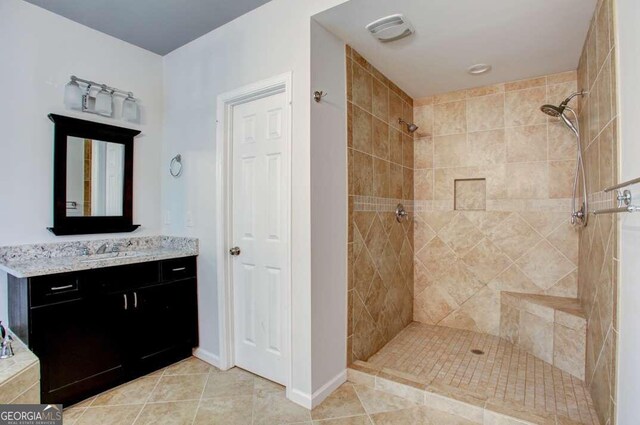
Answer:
[(167, 217)]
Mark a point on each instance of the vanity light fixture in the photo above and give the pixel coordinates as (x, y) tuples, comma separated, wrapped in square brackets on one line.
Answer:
[(479, 69), (73, 96), (99, 102), (104, 102), (130, 109)]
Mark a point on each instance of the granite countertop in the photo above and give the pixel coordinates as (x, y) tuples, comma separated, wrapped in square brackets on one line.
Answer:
[(43, 259)]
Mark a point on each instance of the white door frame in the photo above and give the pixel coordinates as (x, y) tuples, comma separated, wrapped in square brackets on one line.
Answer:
[(224, 119)]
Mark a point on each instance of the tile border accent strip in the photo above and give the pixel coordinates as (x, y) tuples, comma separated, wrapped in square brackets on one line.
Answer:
[(379, 204), (374, 203), (603, 200), (510, 205)]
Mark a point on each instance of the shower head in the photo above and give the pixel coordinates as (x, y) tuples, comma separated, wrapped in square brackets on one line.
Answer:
[(552, 110), (558, 111), (410, 126)]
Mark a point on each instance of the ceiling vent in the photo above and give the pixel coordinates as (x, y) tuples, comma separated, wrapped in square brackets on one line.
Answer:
[(391, 28)]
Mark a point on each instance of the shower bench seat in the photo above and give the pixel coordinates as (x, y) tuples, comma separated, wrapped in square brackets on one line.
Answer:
[(553, 329)]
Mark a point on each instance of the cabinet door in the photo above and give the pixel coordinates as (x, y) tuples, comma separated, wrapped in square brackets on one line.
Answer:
[(166, 324), (78, 343)]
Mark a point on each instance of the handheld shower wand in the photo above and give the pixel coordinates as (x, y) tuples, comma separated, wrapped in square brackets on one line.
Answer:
[(578, 216)]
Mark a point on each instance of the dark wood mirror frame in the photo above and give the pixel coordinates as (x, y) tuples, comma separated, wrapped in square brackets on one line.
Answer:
[(63, 225)]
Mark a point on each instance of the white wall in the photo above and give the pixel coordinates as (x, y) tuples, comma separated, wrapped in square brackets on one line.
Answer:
[(268, 41), (328, 208), (38, 52), (628, 16)]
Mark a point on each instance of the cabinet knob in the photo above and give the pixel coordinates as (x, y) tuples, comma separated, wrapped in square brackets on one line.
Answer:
[(235, 251)]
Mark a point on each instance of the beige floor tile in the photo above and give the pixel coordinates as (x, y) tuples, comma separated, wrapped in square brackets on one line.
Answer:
[(351, 420), (179, 387), (234, 382), (225, 410), (110, 415), (84, 403), (375, 401), (168, 413), (264, 385), (273, 408), (135, 392), (71, 416), (342, 402), (191, 366), (418, 416)]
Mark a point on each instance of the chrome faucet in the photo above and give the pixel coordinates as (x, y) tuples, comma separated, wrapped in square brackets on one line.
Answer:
[(6, 349)]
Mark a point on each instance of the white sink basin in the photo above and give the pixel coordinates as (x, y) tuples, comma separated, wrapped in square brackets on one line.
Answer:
[(109, 256)]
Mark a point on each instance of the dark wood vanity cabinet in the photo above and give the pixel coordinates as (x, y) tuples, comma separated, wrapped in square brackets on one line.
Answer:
[(95, 329)]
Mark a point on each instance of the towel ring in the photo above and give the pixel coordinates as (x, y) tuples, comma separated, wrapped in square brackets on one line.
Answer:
[(175, 167)]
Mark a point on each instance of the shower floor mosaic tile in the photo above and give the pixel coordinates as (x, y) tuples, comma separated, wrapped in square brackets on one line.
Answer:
[(441, 360)]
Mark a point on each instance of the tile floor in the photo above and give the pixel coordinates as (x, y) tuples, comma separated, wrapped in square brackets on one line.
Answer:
[(440, 359), (193, 392)]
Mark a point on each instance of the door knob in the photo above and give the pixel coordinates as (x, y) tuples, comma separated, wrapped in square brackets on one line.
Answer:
[(235, 251)]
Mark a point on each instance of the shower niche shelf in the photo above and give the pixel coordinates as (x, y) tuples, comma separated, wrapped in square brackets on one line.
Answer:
[(470, 194)]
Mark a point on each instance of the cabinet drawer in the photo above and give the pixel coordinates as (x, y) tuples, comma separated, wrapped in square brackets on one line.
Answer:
[(55, 288), (179, 268), (124, 278)]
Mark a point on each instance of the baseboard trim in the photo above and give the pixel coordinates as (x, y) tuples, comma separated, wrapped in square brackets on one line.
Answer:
[(300, 398), (207, 356), (325, 390), (313, 400)]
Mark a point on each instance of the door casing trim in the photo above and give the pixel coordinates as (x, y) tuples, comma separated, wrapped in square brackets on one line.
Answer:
[(224, 118)]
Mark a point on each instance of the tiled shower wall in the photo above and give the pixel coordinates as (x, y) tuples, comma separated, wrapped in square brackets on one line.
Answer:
[(598, 265), (380, 153), (493, 178)]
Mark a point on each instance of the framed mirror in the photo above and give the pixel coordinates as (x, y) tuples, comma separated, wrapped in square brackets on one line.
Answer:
[(92, 177)]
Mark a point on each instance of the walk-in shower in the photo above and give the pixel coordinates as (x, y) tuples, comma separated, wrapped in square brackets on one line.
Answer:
[(579, 217)]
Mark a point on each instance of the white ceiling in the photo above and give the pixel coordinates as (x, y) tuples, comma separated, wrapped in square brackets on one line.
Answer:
[(519, 38), (156, 25)]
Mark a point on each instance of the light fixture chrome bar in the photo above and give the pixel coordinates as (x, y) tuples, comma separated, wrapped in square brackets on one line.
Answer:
[(623, 184), (113, 90)]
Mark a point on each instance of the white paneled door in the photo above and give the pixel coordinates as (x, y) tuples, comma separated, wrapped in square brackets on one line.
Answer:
[(260, 235)]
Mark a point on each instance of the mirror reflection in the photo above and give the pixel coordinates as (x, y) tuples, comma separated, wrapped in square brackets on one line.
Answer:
[(95, 178)]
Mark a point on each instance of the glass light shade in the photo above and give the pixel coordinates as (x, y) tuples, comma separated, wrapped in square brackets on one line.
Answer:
[(104, 103), (130, 109), (73, 96)]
